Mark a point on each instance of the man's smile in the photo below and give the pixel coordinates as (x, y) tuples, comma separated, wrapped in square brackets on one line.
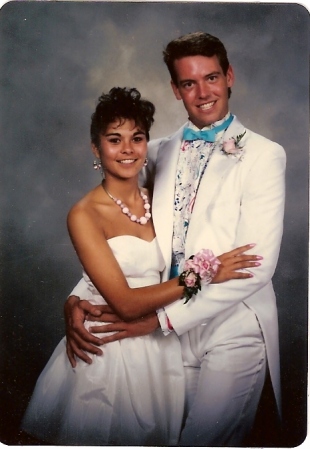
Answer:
[(206, 106)]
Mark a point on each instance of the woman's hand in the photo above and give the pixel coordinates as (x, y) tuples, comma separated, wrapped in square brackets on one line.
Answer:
[(236, 260)]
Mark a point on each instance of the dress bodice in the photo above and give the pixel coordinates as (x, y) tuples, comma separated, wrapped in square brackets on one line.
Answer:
[(141, 261)]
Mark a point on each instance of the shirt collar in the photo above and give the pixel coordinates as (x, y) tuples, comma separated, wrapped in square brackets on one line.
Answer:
[(191, 125)]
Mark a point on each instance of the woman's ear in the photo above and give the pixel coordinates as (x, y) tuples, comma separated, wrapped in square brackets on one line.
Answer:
[(95, 150)]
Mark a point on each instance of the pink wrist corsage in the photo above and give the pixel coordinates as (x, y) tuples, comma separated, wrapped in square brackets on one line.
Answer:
[(198, 269)]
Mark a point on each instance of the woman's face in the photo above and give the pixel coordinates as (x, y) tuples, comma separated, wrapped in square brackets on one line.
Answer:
[(122, 149)]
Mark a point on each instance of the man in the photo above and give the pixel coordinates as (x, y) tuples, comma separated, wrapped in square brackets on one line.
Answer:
[(218, 189)]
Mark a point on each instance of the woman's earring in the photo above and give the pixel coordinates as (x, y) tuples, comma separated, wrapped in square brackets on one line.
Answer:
[(145, 162), (97, 165)]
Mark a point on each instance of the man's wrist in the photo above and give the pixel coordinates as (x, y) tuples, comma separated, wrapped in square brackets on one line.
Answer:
[(69, 305), (164, 322)]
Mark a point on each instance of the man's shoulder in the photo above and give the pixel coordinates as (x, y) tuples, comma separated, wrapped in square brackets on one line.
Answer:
[(258, 143), (155, 144), (256, 137), (152, 149), (251, 138)]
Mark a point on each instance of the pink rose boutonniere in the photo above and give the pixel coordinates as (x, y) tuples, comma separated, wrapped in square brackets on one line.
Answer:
[(198, 269), (232, 146)]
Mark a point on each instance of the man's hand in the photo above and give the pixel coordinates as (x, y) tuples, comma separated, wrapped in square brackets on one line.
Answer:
[(122, 329), (78, 338)]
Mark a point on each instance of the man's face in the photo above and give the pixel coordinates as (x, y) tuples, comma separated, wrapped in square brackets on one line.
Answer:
[(203, 88)]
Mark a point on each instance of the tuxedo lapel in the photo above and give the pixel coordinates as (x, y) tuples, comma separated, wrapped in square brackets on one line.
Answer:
[(211, 180), (219, 166), (163, 196), (164, 187)]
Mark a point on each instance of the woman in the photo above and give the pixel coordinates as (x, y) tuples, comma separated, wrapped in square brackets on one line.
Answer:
[(134, 393)]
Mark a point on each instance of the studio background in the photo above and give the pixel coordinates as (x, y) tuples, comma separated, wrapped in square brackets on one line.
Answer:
[(56, 58)]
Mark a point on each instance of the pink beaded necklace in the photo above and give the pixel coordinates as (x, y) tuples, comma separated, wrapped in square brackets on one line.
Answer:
[(142, 220)]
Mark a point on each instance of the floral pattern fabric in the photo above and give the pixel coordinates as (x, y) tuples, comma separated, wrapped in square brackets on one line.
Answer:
[(193, 160)]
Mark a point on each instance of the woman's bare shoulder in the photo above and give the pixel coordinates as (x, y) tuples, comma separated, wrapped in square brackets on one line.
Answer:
[(88, 206)]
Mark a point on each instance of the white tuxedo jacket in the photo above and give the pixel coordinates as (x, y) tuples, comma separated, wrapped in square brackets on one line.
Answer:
[(239, 201)]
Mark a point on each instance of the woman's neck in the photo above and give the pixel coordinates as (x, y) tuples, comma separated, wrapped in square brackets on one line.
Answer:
[(126, 190)]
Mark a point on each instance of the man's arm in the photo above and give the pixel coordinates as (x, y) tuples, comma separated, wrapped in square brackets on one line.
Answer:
[(76, 311), (122, 329), (261, 222), (80, 340)]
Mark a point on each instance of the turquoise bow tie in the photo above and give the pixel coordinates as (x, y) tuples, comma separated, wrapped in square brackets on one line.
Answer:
[(208, 135)]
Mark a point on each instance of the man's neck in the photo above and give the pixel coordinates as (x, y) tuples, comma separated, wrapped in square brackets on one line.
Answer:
[(211, 125)]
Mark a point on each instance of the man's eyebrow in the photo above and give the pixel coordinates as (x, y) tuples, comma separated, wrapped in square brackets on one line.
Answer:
[(187, 80), (213, 73)]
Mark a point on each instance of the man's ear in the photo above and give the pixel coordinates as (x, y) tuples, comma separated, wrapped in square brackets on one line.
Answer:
[(175, 91), (95, 150), (230, 76)]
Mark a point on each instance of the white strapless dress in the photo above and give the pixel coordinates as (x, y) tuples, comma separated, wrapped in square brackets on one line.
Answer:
[(132, 395)]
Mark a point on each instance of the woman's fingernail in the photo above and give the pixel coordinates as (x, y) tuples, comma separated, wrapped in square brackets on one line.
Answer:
[(259, 257), (252, 244), (257, 264)]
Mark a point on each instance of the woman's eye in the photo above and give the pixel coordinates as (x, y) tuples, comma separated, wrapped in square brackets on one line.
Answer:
[(114, 141), (139, 138)]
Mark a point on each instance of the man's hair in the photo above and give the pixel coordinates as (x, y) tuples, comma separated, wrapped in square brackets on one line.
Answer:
[(121, 103), (195, 44)]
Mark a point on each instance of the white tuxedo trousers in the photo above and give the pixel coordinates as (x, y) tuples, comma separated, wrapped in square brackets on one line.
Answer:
[(225, 368)]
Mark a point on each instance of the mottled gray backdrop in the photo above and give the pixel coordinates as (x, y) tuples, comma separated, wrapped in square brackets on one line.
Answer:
[(56, 59)]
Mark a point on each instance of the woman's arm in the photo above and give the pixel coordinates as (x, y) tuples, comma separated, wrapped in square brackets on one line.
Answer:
[(104, 271)]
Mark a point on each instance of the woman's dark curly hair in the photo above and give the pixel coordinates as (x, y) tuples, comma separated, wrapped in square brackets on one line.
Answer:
[(121, 103)]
